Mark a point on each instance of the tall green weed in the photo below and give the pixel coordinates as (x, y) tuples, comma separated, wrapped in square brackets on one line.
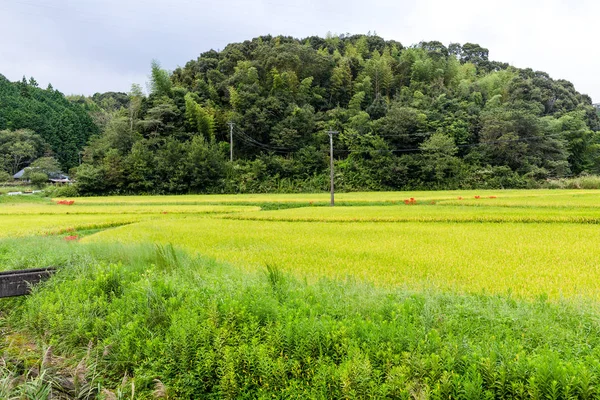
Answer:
[(159, 320)]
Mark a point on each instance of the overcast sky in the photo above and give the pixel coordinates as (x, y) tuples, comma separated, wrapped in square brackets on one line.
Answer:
[(87, 46)]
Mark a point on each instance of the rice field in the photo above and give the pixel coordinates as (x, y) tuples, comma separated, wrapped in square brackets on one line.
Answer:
[(387, 295), (76, 208), (559, 260), (528, 243), (522, 198)]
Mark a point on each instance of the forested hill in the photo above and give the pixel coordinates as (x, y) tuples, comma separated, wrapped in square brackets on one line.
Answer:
[(425, 116), (35, 122)]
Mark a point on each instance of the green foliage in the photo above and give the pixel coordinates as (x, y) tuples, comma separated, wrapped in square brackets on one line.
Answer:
[(210, 332), (160, 83), (199, 119), (61, 191), (5, 176), (19, 148), (45, 166), (63, 127), (283, 94), (38, 179)]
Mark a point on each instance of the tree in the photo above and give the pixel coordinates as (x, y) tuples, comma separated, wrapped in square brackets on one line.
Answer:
[(160, 81), (38, 179), (136, 98), (45, 165), (439, 161), (199, 119), (427, 116), (5, 176), (473, 53), (90, 179)]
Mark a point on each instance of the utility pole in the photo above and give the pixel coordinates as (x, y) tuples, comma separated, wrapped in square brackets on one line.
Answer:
[(230, 140), (331, 133)]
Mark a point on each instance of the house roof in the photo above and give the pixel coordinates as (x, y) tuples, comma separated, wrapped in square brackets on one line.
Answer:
[(53, 177)]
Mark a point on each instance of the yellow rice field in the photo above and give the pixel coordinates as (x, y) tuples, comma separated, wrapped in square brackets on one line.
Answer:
[(528, 243)]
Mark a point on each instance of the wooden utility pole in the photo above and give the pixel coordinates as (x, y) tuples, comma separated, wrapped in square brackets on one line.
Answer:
[(230, 141), (331, 172)]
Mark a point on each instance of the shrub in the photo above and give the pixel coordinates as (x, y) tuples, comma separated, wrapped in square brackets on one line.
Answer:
[(580, 182), (62, 191), (38, 179), (5, 176)]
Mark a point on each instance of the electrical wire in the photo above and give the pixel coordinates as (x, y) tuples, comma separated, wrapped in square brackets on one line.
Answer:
[(247, 139), (523, 139), (253, 142)]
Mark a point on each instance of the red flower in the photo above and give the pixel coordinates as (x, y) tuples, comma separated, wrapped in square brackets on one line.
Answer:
[(477, 197), (460, 198), (71, 238), (492, 197)]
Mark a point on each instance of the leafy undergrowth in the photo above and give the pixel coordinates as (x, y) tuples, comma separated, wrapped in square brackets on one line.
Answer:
[(153, 322)]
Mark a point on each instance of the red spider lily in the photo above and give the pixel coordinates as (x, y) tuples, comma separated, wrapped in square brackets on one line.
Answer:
[(71, 238), (410, 201), (66, 202), (477, 197), (164, 212), (492, 197)]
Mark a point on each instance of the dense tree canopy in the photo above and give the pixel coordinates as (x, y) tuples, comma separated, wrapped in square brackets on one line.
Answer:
[(60, 127), (425, 116)]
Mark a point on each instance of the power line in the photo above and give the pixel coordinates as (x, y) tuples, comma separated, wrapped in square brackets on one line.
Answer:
[(247, 139), (459, 146), (253, 142)]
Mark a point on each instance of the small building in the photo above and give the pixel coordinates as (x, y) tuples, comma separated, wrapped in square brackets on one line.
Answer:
[(55, 179), (19, 175), (60, 181)]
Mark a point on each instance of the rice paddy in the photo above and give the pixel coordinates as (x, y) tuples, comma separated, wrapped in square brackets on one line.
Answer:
[(528, 243), (480, 294)]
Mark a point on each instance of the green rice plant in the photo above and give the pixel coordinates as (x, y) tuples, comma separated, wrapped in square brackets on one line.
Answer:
[(218, 333), (558, 259), (488, 297), (43, 208), (28, 225), (166, 257), (427, 213)]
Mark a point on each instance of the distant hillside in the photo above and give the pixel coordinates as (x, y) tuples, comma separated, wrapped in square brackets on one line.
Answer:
[(424, 116), (64, 127)]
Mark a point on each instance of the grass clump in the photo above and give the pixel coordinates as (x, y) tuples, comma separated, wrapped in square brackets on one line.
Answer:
[(155, 320), (580, 182)]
